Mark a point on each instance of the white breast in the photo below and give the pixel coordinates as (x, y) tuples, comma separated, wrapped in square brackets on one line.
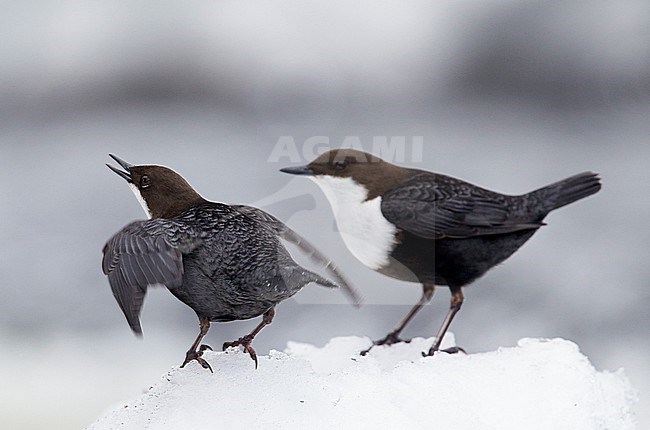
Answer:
[(143, 203), (365, 231)]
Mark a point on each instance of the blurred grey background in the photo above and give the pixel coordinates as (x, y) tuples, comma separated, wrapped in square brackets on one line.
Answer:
[(509, 95)]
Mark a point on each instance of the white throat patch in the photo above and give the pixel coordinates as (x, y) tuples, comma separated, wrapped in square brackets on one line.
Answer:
[(140, 199), (365, 231)]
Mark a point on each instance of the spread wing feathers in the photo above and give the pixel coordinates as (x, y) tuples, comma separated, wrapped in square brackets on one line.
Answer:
[(436, 207), (282, 230), (136, 257)]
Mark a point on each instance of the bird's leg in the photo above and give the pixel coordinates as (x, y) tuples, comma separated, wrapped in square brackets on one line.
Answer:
[(456, 302), (245, 341), (195, 352), (393, 337)]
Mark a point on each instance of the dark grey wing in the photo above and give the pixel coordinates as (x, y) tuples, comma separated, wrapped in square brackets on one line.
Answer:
[(286, 233), (135, 258), (436, 207)]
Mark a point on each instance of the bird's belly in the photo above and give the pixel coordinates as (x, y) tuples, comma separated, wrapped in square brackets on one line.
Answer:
[(413, 259), (222, 307), (219, 299), (456, 262)]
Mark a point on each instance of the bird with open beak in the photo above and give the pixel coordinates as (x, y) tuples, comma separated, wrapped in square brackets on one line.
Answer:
[(226, 262)]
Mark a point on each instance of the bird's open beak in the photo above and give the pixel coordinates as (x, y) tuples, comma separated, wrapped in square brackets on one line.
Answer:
[(301, 170), (126, 174)]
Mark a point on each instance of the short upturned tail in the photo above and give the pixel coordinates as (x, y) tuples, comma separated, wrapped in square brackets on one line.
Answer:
[(567, 191)]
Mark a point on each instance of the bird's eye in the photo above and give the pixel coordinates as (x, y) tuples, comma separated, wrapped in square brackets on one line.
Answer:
[(145, 182), (340, 165)]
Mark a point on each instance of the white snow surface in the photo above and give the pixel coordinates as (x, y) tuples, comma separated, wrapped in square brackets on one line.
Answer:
[(539, 384)]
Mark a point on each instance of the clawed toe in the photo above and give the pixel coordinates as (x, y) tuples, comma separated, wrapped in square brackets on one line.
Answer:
[(249, 349), (245, 342), (204, 347), (452, 350), (196, 356), (390, 339), (234, 343), (227, 345)]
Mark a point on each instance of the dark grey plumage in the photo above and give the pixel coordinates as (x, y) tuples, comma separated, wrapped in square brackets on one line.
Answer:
[(220, 262), (225, 262), (467, 228), (286, 233), (437, 230)]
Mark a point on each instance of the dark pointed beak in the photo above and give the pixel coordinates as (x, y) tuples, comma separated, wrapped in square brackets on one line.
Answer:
[(126, 174), (301, 170)]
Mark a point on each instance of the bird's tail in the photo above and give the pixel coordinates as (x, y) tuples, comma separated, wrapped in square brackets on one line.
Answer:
[(316, 278), (282, 230), (567, 191)]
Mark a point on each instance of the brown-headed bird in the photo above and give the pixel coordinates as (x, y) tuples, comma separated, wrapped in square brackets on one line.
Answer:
[(429, 228)]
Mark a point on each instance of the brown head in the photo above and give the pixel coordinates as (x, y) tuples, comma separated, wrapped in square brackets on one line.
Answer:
[(367, 170), (162, 192)]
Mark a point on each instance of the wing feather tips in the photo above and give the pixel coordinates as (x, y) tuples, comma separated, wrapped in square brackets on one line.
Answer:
[(129, 300), (133, 317), (106, 259), (135, 258)]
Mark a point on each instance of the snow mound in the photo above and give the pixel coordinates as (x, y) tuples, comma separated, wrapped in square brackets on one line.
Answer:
[(540, 384)]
